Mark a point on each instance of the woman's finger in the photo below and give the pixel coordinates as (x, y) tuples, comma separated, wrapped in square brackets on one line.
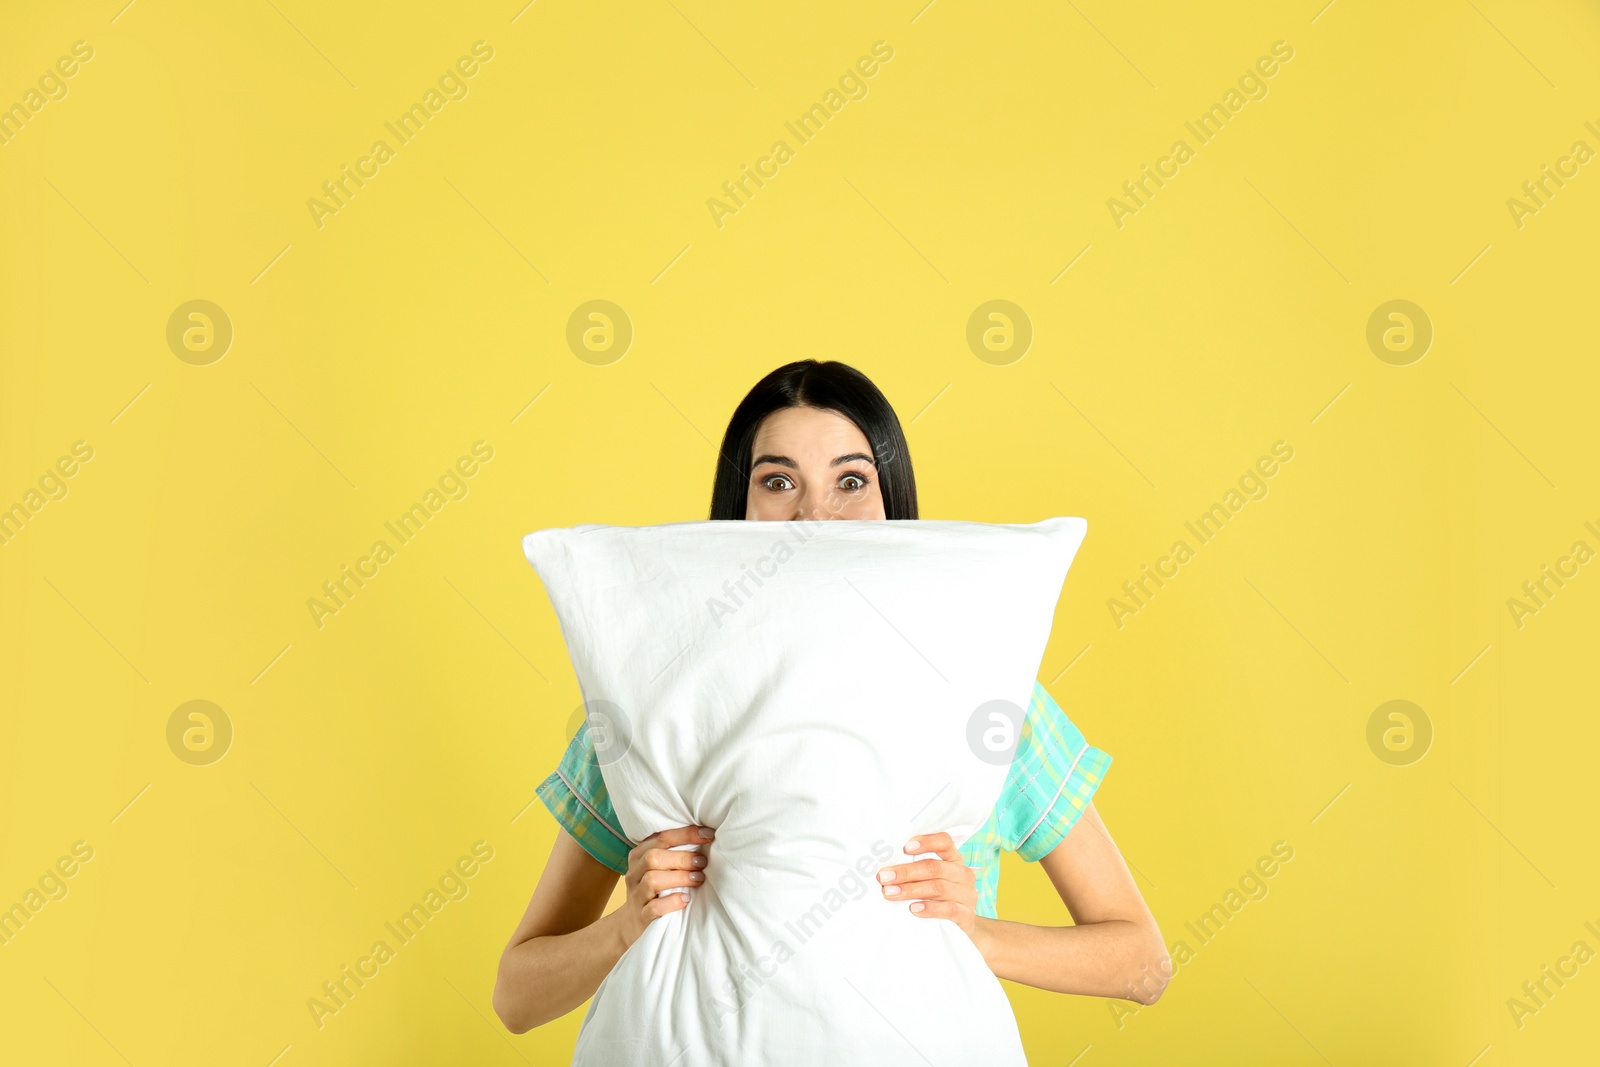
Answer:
[(652, 883), (940, 843), (678, 835), (940, 909), (660, 906), (914, 871), (669, 859), (930, 889)]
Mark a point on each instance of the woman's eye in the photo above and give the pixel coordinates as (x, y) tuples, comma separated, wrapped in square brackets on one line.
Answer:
[(771, 478), (852, 482)]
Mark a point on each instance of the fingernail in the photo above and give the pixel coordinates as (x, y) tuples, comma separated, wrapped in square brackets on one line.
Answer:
[(918, 906), (705, 833), (698, 861), (696, 876), (913, 845), (886, 876), (891, 891)]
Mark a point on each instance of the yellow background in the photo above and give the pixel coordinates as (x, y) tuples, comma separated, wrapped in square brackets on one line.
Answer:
[(370, 353)]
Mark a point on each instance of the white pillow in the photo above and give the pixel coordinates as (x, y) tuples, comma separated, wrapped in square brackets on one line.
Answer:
[(819, 692)]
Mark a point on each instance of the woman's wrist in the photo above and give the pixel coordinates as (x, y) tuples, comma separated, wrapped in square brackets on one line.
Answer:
[(620, 934)]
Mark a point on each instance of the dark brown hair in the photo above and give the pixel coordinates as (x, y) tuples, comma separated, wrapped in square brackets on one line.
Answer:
[(831, 386)]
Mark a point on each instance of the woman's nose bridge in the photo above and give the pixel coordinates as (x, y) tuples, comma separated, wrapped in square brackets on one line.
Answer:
[(816, 502)]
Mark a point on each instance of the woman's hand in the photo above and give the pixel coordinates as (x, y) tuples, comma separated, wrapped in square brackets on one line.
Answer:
[(653, 865), (943, 888)]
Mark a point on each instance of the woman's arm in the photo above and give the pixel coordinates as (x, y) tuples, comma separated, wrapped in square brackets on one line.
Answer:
[(563, 947), (1115, 950)]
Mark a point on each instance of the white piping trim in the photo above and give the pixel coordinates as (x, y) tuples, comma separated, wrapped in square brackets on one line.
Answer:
[(598, 818), (1062, 788)]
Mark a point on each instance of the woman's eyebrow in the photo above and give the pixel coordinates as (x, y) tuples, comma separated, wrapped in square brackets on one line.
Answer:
[(785, 461)]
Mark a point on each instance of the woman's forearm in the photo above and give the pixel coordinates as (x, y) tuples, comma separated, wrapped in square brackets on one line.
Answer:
[(1116, 958), (545, 977)]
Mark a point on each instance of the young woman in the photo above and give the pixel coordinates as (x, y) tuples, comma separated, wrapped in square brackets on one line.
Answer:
[(817, 440)]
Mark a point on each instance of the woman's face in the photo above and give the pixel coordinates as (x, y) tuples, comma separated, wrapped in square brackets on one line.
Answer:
[(812, 464)]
